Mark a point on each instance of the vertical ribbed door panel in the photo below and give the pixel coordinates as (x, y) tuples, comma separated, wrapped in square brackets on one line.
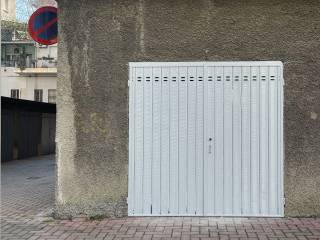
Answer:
[(205, 139)]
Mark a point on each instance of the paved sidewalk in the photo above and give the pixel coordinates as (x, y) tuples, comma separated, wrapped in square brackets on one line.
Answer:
[(27, 191), (28, 197)]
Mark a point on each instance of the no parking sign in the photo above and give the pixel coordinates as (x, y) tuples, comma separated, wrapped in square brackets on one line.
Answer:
[(43, 25)]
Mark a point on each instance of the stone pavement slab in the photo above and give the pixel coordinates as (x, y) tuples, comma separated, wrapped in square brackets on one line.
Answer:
[(27, 191)]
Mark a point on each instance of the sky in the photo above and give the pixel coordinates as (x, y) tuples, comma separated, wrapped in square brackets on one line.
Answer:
[(24, 8)]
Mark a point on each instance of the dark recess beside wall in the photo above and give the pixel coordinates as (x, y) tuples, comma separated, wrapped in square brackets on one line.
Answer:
[(27, 128)]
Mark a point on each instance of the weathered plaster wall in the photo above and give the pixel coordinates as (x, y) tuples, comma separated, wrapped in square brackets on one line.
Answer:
[(99, 37)]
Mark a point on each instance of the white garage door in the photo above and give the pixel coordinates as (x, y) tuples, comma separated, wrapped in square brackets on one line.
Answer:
[(206, 139)]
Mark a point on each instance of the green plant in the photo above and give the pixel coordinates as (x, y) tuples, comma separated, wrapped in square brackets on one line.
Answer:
[(97, 217)]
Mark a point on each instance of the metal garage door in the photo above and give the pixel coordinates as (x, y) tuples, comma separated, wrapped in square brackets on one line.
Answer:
[(205, 139)]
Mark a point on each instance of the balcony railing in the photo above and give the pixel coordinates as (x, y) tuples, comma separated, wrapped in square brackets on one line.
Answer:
[(16, 63), (30, 63)]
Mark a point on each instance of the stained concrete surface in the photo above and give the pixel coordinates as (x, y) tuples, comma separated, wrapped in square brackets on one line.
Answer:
[(97, 40)]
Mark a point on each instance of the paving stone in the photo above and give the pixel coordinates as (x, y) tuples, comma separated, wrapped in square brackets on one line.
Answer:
[(27, 190)]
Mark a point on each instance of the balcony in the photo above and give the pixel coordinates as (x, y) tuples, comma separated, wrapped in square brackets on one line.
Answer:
[(30, 63), (37, 72)]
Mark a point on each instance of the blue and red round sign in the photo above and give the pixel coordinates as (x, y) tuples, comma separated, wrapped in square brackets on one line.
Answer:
[(43, 25)]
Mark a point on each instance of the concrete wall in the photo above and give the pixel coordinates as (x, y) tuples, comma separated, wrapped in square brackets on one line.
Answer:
[(92, 129)]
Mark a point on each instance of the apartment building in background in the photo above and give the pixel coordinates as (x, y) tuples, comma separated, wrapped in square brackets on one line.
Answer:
[(28, 69), (37, 80), (8, 10)]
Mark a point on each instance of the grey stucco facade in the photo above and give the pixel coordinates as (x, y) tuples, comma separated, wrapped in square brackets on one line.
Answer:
[(97, 40)]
